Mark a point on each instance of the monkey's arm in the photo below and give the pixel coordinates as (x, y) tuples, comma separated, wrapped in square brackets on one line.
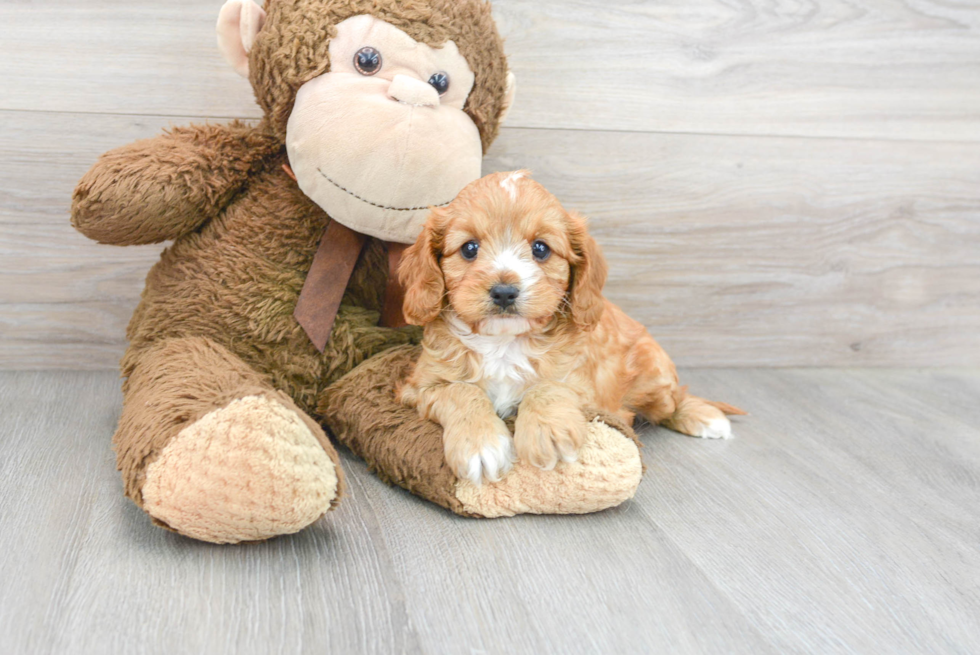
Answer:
[(161, 188)]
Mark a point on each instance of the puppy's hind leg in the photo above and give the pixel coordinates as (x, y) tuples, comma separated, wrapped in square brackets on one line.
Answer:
[(698, 417), (657, 396)]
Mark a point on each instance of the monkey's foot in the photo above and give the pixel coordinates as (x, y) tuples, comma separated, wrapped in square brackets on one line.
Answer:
[(248, 471), (403, 449), (606, 473)]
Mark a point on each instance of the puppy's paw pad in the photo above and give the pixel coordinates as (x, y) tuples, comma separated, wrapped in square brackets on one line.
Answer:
[(716, 428), (492, 462)]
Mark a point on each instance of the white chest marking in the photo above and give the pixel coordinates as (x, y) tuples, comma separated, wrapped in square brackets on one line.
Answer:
[(505, 369)]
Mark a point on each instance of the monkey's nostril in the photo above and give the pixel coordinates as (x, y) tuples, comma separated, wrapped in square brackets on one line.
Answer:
[(504, 295)]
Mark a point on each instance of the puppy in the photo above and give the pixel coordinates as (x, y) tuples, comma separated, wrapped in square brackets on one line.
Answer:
[(509, 288)]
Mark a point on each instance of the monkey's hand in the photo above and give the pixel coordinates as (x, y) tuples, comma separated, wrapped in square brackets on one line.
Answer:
[(161, 188)]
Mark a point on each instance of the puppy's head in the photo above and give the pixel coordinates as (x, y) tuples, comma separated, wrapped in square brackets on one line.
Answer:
[(508, 259)]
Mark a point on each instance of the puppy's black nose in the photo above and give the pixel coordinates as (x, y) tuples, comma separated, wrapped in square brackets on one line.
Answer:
[(504, 295)]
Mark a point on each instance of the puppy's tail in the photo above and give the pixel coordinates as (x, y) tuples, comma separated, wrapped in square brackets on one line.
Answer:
[(725, 407), (701, 418)]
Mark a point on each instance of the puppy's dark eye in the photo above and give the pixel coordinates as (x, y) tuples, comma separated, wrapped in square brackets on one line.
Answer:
[(540, 250), (469, 250), (367, 61), (440, 82)]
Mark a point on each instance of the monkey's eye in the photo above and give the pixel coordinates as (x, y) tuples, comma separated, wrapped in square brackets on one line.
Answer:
[(540, 250), (469, 250), (367, 61), (440, 82)]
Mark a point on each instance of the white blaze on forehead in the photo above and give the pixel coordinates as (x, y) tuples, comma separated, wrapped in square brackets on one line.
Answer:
[(509, 183), (511, 259)]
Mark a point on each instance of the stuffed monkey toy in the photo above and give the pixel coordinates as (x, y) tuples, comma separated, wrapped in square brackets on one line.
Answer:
[(261, 323)]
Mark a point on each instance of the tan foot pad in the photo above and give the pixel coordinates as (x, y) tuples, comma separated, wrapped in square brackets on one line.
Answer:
[(246, 472), (607, 473)]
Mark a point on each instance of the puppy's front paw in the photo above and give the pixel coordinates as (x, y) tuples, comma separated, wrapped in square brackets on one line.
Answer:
[(483, 449), (715, 428), (543, 436)]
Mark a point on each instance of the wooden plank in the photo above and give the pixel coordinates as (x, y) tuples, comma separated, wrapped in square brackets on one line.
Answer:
[(107, 56), (603, 583), (748, 251), (842, 490), (869, 68), (842, 518), (734, 251)]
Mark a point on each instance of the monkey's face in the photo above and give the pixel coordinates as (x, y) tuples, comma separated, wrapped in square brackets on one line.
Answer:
[(383, 136)]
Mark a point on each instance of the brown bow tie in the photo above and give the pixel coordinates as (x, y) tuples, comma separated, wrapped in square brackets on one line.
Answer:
[(329, 274)]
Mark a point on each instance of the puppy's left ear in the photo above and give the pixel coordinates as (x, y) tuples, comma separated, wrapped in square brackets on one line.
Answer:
[(420, 274), (588, 276)]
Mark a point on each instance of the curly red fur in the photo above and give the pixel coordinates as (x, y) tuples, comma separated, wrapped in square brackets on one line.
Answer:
[(559, 349)]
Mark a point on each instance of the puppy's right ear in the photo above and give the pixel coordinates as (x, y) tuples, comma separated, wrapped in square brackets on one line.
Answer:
[(420, 274), (588, 276)]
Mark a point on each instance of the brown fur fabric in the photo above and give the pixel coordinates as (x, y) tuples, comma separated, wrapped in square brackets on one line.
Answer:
[(215, 322), (291, 50), (175, 383), (236, 281), (363, 414)]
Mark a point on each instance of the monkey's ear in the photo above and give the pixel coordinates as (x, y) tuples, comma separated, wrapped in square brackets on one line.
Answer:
[(508, 96), (238, 24)]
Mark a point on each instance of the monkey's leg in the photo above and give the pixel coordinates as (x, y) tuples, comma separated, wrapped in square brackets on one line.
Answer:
[(208, 448), (401, 448)]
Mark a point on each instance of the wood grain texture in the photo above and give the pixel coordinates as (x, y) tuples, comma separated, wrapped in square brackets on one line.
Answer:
[(118, 57), (856, 487), (780, 251), (734, 251), (896, 69), (843, 517)]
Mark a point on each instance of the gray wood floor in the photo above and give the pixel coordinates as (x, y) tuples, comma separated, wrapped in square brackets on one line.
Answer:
[(845, 517)]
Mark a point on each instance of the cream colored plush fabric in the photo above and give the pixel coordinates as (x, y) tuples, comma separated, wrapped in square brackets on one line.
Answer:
[(196, 486), (607, 473), (421, 148), (238, 23)]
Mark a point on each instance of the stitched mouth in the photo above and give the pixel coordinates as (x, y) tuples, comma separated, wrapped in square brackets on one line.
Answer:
[(375, 204)]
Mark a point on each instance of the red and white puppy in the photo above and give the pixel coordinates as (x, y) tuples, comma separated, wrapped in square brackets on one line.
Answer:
[(509, 288)]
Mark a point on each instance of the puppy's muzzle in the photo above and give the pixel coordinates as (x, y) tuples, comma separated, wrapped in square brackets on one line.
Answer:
[(504, 295)]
